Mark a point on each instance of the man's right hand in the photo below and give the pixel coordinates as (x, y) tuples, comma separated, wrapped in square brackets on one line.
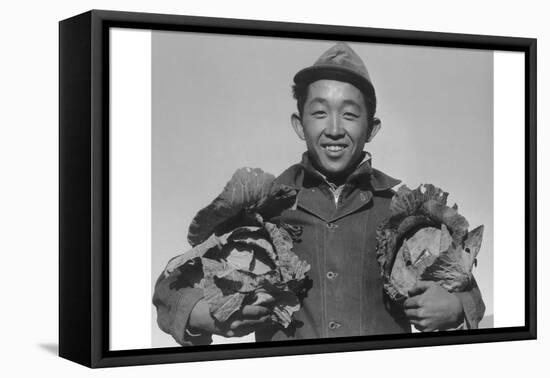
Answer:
[(241, 323)]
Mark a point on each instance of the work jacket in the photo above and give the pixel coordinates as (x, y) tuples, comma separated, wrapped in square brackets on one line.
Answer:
[(338, 240)]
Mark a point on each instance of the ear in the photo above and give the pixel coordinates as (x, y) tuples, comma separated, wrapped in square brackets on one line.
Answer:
[(296, 122), (375, 127)]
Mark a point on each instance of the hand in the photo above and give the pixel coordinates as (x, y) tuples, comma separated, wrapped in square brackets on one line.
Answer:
[(430, 307), (241, 323)]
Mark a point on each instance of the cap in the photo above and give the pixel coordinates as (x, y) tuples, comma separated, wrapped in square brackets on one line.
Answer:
[(340, 63)]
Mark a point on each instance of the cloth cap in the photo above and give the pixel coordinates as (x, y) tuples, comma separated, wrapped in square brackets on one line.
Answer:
[(340, 63)]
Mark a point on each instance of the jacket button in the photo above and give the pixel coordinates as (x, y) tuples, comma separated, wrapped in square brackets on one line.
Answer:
[(331, 275), (331, 226), (334, 325)]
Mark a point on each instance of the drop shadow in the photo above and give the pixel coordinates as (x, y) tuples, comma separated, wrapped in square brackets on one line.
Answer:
[(50, 347)]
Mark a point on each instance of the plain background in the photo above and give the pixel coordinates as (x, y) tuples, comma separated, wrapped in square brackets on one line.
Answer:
[(29, 156), (223, 102)]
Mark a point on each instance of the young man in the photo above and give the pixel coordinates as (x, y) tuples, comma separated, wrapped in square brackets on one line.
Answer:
[(341, 202)]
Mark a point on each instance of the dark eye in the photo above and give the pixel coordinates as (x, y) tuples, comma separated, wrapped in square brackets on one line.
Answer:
[(319, 114), (350, 116)]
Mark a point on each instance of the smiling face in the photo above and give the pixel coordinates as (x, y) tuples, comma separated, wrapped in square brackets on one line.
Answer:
[(334, 125)]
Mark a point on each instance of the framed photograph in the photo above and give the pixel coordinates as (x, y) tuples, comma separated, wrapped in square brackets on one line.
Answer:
[(235, 188)]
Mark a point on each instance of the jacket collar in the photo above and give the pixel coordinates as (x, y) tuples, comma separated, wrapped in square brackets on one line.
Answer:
[(364, 173), (305, 179)]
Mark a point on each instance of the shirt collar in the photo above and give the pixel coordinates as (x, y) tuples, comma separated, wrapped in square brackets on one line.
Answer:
[(378, 180)]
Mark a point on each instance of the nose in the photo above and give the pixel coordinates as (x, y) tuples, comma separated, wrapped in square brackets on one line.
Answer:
[(334, 129)]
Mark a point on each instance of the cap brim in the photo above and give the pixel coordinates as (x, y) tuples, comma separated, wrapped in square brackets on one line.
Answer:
[(330, 72)]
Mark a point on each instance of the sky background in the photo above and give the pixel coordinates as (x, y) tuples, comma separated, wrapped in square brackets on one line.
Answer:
[(223, 102)]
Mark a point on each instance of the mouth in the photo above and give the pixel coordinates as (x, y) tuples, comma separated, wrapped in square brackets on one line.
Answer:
[(334, 148)]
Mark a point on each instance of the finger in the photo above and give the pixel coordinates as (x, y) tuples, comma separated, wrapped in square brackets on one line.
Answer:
[(420, 287), (418, 325), (413, 302), (239, 332), (251, 311), (412, 314), (426, 284), (255, 322), (263, 299), (247, 323), (424, 326)]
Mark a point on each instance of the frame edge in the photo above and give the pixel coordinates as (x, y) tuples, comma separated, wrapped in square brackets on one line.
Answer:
[(97, 355), (74, 189)]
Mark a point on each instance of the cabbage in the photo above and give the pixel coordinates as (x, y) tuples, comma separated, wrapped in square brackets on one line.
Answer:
[(238, 257), (249, 191), (424, 239)]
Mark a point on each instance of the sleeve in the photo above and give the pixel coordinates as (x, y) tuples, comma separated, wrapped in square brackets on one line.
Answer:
[(472, 305), (174, 299)]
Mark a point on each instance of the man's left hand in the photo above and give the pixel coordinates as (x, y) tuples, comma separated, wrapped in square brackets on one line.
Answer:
[(430, 307)]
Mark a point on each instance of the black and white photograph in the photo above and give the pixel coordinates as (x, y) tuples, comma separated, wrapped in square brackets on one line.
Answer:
[(325, 178)]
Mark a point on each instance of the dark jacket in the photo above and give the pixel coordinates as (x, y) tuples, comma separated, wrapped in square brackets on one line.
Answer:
[(346, 296)]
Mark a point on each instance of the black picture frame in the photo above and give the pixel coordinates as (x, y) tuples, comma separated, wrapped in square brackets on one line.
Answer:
[(84, 187)]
